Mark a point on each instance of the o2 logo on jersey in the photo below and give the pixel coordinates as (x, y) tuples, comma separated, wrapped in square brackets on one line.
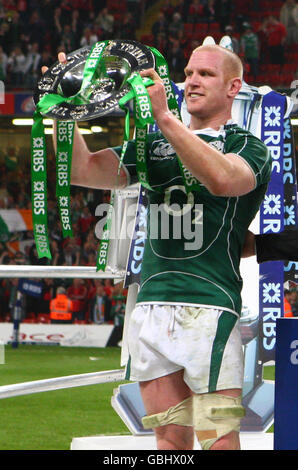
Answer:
[(179, 218)]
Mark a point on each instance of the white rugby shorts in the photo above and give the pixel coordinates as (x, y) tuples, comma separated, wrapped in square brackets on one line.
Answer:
[(205, 342)]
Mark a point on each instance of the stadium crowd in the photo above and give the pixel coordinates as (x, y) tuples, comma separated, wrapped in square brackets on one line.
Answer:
[(264, 34), (81, 250)]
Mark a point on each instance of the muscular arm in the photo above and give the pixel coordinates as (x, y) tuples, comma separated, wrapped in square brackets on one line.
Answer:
[(222, 174), (98, 170)]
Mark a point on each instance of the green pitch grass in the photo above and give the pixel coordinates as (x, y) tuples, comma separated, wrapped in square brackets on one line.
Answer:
[(50, 420)]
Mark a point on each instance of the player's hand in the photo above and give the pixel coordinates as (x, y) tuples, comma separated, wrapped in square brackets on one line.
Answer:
[(157, 93), (61, 58)]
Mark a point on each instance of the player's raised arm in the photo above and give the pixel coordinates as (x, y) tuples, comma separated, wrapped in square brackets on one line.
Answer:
[(98, 169)]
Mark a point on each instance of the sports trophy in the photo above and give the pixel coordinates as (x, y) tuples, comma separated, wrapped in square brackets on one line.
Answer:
[(93, 80)]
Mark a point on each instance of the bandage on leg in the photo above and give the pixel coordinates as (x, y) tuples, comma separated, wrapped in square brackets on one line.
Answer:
[(214, 416), (179, 414)]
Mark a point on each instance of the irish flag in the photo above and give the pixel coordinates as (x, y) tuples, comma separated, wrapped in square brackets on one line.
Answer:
[(14, 220)]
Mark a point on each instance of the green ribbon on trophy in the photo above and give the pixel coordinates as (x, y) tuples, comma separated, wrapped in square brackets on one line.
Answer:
[(143, 116), (64, 141)]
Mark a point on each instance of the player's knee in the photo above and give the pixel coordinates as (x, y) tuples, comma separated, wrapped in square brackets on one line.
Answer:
[(174, 437), (180, 414), (228, 442), (217, 420), (173, 427)]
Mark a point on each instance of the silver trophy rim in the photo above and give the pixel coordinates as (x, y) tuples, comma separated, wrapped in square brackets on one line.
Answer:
[(137, 55)]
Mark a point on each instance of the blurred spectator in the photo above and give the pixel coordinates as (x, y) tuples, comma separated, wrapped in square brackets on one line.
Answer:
[(176, 60), (66, 10), (15, 35), (61, 307), (104, 24), (181, 7), (85, 221), (17, 301), (229, 30), (275, 33), (176, 25), (117, 314), (34, 259), (10, 5), (118, 310), (108, 287), (67, 39), (294, 302), (21, 258), (32, 66), (209, 13), (70, 253), (160, 25), (22, 6), (287, 304), (3, 64), (46, 58), (167, 8), (34, 30), (98, 305), (77, 25), (16, 65), (89, 259), (127, 29), (88, 38), (48, 293), (90, 244), (48, 8), (56, 251), (195, 12), (224, 10), (160, 43), (289, 18), (77, 239), (4, 37), (85, 8), (249, 48), (135, 8), (2, 11), (78, 293)]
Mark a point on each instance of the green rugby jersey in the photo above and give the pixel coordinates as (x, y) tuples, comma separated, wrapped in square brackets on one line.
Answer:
[(194, 241)]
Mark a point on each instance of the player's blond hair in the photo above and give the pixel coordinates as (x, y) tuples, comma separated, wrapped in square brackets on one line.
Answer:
[(232, 62)]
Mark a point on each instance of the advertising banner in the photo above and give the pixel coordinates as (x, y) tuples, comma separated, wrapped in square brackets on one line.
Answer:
[(96, 336), (290, 189), (272, 221), (137, 246)]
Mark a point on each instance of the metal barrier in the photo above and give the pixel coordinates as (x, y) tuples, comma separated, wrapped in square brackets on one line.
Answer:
[(66, 272), (58, 383)]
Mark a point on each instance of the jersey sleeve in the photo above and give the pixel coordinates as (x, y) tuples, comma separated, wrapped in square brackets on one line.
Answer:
[(254, 152), (129, 161)]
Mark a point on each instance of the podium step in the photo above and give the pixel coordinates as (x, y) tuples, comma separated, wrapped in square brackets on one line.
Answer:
[(249, 441)]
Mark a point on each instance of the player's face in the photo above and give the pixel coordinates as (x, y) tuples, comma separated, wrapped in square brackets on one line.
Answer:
[(205, 83)]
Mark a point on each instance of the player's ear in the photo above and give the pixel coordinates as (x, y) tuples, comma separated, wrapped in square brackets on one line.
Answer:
[(234, 86)]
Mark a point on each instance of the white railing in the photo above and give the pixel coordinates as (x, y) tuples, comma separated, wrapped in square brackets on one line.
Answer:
[(58, 383), (30, 271)]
